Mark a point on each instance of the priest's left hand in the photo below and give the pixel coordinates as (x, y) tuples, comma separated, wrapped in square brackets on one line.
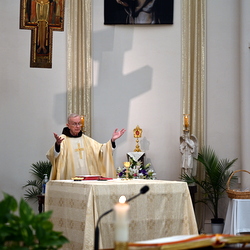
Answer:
[(117, 134)]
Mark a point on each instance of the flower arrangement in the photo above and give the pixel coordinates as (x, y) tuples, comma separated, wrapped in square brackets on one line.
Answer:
[(136, 171)]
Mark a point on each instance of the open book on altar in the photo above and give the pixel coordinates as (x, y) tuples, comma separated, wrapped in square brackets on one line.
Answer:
[(190, 242), (90, 178)]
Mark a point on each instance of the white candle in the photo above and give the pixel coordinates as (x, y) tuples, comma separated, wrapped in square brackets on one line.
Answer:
[(121, 220)]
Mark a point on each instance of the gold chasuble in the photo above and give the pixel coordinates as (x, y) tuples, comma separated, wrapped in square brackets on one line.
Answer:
[(81, 156)]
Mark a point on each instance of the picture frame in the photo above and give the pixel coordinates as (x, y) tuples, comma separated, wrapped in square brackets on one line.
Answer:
[(138, 12)]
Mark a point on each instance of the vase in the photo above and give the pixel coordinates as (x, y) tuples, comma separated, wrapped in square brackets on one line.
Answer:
[(217, 225)]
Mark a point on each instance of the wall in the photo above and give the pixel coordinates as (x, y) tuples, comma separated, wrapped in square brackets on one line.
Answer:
[(137, 81), (32, 101), (245, 89), (223, 77), (228, 90), (228, 35)]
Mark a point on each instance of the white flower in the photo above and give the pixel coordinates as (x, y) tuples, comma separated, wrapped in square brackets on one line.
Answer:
[(138, 163)]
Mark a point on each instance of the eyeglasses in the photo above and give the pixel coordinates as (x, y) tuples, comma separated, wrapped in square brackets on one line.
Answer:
[(76, 124)]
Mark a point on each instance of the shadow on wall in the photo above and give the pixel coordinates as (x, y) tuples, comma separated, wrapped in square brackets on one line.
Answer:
[(110, 56)]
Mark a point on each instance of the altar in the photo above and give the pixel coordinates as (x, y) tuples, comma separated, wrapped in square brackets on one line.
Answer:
[(165, 210)]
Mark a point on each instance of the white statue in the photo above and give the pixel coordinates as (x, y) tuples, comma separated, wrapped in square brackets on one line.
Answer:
[(189, 151)]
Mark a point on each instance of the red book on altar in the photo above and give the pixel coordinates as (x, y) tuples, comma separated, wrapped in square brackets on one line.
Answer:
[(91, 178)]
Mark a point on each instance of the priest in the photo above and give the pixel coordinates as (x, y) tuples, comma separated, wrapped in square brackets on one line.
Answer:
[(77, 154)]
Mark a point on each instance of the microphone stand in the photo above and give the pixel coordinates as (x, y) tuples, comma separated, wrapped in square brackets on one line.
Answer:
[(96, 242)]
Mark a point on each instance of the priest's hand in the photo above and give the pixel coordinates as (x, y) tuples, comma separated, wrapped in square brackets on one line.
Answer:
[(117, 134), (58, 139)]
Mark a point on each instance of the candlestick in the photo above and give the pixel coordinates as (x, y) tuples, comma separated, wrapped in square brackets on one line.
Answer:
[(121, 245), (121, 220), (137, 134)]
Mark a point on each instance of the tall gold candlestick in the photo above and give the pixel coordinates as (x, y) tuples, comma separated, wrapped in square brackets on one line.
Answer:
[(137, 134)]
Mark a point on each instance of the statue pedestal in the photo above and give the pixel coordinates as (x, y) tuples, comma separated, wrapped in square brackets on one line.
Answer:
[(193, 191), (40, 199)]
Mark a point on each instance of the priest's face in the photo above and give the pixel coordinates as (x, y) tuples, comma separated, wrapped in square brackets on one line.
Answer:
[(74, 125)]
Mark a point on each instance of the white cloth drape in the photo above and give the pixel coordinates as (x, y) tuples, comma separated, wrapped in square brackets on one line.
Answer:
[(237, 219), (79, 63)]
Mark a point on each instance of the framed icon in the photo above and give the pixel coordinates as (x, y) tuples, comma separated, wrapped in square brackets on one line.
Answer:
[(42, 17), (138, 12)]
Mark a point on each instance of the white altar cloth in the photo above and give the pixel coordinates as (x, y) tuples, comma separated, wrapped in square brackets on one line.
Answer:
[(165, 210), (238, 217)]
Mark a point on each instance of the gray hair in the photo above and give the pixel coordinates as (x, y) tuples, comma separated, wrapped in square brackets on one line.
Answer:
[(72, 116)]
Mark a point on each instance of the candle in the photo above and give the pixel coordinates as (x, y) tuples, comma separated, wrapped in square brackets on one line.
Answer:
[(121, 220), (82, 121), (186, 121)]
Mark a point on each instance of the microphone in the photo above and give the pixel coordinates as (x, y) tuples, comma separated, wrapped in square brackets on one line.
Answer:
[(143, 190)]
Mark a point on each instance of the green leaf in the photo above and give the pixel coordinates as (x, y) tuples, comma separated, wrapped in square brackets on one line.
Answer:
[(26, 213), (8, 205), (27, 235), (26, 230)]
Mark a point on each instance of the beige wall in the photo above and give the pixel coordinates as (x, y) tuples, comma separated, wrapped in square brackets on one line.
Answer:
[(137, 81)]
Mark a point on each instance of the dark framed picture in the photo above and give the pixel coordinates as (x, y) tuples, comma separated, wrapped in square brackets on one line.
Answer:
[(138, 12)]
